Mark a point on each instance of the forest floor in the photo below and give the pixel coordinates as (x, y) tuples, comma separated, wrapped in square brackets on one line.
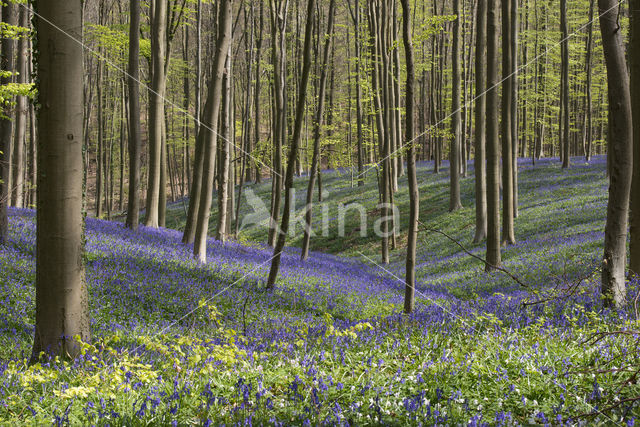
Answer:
[(178, 342)]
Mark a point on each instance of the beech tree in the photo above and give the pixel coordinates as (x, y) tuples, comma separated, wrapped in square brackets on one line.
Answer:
[(317, 129), (634, 66), (414, 195), (133, 81), (7, 61), (620, 157), (456, 137), (480, 130), (61, 292), (493, 151), (208, 133), (293, 150)]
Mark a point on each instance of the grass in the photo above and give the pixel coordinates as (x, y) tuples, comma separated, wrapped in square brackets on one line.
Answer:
[(183, 343)]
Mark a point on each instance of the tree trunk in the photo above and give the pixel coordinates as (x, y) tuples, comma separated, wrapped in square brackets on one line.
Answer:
[(317, 128), (61, 292), (620, 153), (9, 17), (514, 104), (293, 151), (135, 144), (454, 148), (156, 113), (508, 235), (634, 58), (493, 140), (480, 131), (225, 153), (587, 131), (414, 195), (564, 104), (279, 11), (21, 117), (208, 134)]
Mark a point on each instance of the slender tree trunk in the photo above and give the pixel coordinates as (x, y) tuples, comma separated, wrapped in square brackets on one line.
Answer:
[(454, 148), (225, 154), (21, 117), (564, 104), (634, 59), (279, 11), (156, 114), (61, 292), (256, 97), (514, 103), (493, 150), (414, 195), (208, 133), (588, 121), (621, 155), (293, 151), (317, 129), (480, 131), (355, 13), (9, 17), (135, 143)]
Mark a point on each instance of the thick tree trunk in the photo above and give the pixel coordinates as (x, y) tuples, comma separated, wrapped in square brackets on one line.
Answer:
[(508, 235), (456, 137), (293, 151), (620, 155), (156, 114), (634, 58), (493, 139), (61, 292), (135, 144), (208, 134), (480, 131), (317, 129), (414, 195)]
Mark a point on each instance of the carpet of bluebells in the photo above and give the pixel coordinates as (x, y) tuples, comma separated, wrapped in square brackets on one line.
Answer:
[(177, 342)]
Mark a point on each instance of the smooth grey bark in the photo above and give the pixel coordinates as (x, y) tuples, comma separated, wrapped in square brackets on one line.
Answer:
[(587, 127), (135, 143), (564, 101), (508, 235), (378, 83), (293, 150), (355, 16), (514, 105), (225, 153), (7, 63), (620, 154), (480, 130), (634, 59), (278, 14), (493, 139), (156, 112), (317, 129), (209, 130), (61, 292), (414, 195), (456, 138), (17, 183)]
